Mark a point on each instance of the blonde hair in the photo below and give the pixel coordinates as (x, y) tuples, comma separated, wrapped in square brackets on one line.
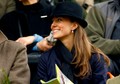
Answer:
[(83, 51)]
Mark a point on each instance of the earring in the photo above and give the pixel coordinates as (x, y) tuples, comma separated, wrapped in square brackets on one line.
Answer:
[(72, 31)]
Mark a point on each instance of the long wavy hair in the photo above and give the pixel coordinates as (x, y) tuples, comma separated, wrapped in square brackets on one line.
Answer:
[(83, 53)]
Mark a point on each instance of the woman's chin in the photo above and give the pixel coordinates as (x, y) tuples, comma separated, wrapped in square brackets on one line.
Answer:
[(56, 37)]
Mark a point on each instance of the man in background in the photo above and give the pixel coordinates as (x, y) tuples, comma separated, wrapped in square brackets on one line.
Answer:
[(104, 31)]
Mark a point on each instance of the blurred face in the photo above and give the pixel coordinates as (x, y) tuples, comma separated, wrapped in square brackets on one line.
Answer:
[(28, 2), (62, 27)]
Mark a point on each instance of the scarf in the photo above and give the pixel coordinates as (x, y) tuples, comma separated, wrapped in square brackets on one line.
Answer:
[(66, 58)]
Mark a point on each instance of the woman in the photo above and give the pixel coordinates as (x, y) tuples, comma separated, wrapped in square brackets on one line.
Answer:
[(76, 57)]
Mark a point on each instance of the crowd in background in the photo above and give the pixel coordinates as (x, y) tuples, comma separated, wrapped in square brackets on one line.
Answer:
[(29, 22)]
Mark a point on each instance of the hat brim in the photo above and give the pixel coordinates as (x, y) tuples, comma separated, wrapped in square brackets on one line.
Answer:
[(81, 21)]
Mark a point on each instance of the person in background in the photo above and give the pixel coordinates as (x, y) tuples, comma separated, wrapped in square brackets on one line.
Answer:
[(13, 62), (76, 57), (41, 43), (87, 4), (104, 31), (6, 6), (30, 17)]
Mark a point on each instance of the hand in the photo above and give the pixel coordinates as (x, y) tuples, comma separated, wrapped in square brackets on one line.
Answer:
[(28, 2), (43, 45), (26, 40)]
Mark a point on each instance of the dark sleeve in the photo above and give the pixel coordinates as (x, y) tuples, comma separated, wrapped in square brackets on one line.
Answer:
[(9, 25), (42, 69), (22, 7), (99, 70), (33, 7)]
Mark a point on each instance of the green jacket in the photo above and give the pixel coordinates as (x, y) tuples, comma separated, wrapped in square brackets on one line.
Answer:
[(6, 6), (101, 21)]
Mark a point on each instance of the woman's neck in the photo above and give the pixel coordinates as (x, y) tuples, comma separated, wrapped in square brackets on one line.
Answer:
[(68, 42)]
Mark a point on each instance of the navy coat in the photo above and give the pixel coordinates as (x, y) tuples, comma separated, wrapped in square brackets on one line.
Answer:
[(46, 67)]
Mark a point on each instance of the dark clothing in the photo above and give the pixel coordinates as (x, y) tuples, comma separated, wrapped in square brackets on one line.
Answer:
[(62, 57), (27, 20), (116, 31)]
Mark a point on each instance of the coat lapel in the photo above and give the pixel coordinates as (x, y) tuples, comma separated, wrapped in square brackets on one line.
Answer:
[(2, 37)]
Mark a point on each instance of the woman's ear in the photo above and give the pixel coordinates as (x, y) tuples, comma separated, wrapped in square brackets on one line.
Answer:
[(75, 25)]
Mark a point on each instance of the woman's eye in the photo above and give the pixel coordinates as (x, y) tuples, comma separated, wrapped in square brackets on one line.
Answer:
[(59, 19)]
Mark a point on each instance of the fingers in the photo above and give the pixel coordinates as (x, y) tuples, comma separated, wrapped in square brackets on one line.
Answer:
[(26, 40), (20, 40), (46, 48), (43, 45)]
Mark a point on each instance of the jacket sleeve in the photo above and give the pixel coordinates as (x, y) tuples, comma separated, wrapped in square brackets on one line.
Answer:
[(99, 70), (42, 69), (19, 72), (96, 33)]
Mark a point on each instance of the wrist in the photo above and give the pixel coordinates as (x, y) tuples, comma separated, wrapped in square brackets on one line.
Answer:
[(37, 38), (35, 48)]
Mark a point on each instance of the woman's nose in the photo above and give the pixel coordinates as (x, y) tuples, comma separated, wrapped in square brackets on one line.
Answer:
[(53, 24)]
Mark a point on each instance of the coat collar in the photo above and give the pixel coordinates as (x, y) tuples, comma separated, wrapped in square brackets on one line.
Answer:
[(2, 37), (64, 53)]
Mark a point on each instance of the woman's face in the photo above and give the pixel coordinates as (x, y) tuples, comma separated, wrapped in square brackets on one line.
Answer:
[(62, 27)]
